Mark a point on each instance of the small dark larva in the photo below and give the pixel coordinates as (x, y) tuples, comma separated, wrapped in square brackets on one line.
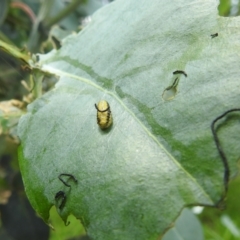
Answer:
[(104, 116), (214, 35), (70, 176), (180, 72), (63, 196)]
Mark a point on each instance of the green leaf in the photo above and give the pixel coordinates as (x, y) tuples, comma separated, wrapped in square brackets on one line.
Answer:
[(213, 220), (186, 227), (158, 156), (64, 232), (15, 52), (224, 7), (3, 10)]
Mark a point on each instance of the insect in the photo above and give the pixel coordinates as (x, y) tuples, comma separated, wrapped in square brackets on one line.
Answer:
[(220, 150), (63, 196), (180, 72), (214, 35), (104, 115), (70, 176)]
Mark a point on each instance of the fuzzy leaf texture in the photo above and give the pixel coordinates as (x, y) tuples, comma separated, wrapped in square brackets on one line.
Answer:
[(159, 155)]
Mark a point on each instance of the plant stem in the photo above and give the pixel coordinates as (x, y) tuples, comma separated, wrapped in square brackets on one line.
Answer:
[(37, 77), (66, 11), (4, 38)]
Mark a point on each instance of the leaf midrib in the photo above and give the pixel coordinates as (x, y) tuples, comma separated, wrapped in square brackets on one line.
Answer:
[(52, 70)]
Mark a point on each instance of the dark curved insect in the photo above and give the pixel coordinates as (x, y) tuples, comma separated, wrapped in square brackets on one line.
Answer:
[(214, 35), (104, 115), (180, 72), (61, 195), (174, 85), (70, 176), (220, 150)]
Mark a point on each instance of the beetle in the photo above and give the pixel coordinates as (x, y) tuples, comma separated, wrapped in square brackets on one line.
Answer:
[(104, 115)]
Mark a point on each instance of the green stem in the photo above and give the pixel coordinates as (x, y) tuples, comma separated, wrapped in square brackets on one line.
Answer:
[(5, 39), (66, 11), (37, 77)]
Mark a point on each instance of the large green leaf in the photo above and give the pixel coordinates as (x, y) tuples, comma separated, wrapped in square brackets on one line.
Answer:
[(186, 227), (159, 156)]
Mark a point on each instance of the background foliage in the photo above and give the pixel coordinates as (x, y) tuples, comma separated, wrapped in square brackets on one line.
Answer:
[(33, 25)]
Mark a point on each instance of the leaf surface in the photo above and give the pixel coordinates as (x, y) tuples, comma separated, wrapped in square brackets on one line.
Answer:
[(159, 154)]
